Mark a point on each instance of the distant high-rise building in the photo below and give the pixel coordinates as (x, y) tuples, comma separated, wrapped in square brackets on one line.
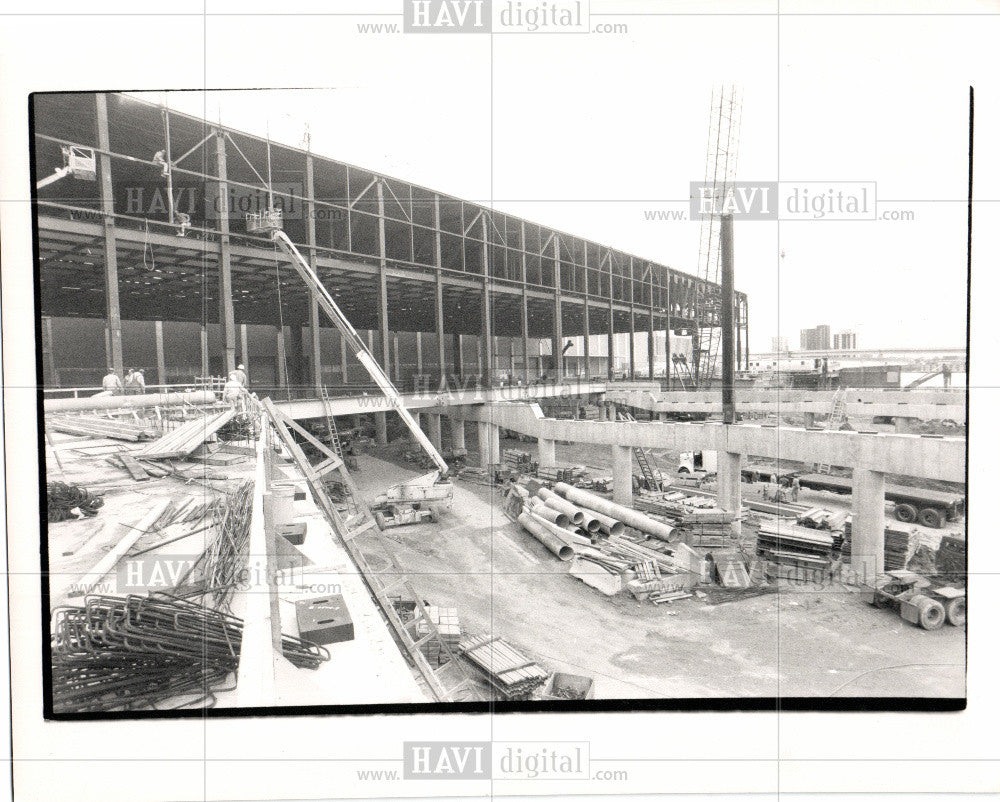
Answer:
[(817, 339), (845, 340), (779, 345)]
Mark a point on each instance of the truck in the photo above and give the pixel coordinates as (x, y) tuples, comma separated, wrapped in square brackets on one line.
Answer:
[(698, 462), (910, 504), (919, 600)]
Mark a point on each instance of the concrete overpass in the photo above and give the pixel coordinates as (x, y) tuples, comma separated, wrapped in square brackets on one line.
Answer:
[(920, 404)]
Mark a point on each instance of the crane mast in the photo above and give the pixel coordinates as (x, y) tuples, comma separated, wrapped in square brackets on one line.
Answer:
[(269, 222)]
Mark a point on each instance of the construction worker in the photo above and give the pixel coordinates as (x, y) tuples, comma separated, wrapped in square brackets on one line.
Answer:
[(240, 375), (112, 383), (135, 382), (795, 488), (233, 392)]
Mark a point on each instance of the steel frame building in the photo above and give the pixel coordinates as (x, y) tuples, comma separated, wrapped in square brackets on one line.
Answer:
[(397, 257)]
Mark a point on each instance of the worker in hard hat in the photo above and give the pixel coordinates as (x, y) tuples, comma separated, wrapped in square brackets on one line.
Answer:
[(233, 392), (240, 375), (135, 382), (112, 383)]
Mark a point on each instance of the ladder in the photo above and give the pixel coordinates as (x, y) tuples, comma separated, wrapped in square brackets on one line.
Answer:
[(436, 680), (838, 413), (335, 444), (644, 456)]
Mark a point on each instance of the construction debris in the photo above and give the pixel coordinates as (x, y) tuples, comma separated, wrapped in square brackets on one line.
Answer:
[(137, 652), (93, 426), (65, 500)]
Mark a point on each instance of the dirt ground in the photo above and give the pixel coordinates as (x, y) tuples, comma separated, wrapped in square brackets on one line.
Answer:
[(798, 641)]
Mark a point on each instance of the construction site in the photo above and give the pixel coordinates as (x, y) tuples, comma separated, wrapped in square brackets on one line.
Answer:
[(318, 437)]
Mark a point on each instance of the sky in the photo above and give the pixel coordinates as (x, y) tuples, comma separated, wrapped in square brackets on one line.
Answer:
[(588, 133)]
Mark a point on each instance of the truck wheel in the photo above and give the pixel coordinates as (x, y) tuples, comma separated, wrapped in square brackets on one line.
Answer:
[(906, 513), (931, 518), (683, 469), (931, 612), (956, 612)]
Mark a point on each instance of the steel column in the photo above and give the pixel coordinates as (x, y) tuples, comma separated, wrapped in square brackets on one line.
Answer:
[(383, 291), (317, 354), (557, 343), (439, 294), (226, 315), (161, 361), (113, 315)]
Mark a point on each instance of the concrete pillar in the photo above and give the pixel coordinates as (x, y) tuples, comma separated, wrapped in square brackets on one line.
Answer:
[(612, 412), (434, 429), (489, 444), (622, 473), (161, 359), (282, 361), (457, 433), (112, 309), (205, 365), (730, 486), (808, 419), (546, 453), (381, 435), (868, 524), (244, 348)]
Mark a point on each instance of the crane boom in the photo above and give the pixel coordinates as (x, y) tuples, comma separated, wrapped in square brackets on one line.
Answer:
[(356, 344)]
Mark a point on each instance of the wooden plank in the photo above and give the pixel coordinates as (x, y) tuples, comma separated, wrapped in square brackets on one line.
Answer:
[(133, 533), (136, 471)]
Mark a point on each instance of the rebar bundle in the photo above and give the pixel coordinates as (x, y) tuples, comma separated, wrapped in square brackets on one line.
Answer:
[(139, 651), (225, 557), (63, 498)]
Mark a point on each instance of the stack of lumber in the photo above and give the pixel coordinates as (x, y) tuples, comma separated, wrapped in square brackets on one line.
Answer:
[(503, 666), (94, 426), (703, 523), (819, 518), (900, 545), (518, 461), (790, 544), (478, 476), (446, 621), (185, 439), (576, 476), (950, 559)]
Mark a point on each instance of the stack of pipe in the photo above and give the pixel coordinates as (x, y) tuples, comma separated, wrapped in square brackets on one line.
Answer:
[(615, 513), (582, 518)]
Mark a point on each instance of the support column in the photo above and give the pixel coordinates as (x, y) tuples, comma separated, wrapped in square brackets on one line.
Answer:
[(434, 429), (383, 292), (381, 429), (317, 355), (282, 362), (112, 314), (395, 357), (666, 333), (205, 365), (343, 359), (557, 344), (226, 316), (524, 307), (611, 336), (457, 433), (546, 453), (439, 295), (486, 330), (245, 348), (161, 360), (622, 473), (489, 444), (730, 486), (728, 345), (420, 361), (809, 419), (868, 524)]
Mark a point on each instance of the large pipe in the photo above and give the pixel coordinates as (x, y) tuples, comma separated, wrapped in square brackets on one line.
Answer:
[(558, 547), (557, 517), (626, 515), (128, 401), (568, 536), (557, 502), (608, 525)]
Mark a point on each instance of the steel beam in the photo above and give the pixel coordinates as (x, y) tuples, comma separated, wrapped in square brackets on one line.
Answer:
[(226, 315), (113, 316)]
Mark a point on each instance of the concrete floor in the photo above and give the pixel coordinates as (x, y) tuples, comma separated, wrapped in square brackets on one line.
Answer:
[(796, 642)]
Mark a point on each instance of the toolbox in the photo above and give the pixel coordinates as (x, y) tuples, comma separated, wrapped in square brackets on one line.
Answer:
[(294, 533)]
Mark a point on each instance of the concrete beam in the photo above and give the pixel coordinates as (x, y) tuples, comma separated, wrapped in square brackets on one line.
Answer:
[(908, 455), (921, 404)]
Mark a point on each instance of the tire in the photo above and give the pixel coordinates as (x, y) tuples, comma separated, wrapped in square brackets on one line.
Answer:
[(906, 513), (931, 518), (932, 615), (955, 610), (683, 469)]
